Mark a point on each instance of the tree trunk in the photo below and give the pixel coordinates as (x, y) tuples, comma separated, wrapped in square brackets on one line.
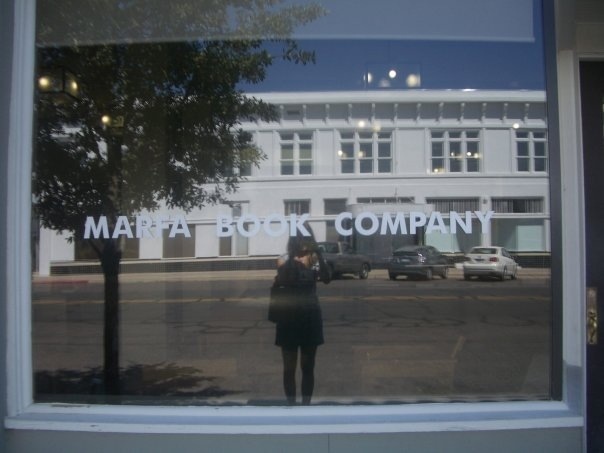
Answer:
[(110, 262)]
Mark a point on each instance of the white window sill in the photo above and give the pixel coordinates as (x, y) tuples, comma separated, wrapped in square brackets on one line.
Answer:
[(300, 420)]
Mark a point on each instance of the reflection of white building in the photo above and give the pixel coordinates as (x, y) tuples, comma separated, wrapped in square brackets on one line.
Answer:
[(384, 151)]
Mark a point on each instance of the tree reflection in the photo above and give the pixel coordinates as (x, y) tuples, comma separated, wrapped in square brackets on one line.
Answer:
[(150, 124)]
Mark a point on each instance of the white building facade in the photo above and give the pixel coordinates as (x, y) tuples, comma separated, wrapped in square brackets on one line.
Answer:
[(379, 152)]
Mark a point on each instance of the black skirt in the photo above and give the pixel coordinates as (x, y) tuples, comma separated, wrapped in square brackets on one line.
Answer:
[(303, 329)]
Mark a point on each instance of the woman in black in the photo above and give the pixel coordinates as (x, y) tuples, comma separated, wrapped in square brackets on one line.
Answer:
[(303, 330)]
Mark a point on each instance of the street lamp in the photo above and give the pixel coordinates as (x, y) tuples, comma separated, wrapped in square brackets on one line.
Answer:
[(60, 83), (114, 124), (113, 121)]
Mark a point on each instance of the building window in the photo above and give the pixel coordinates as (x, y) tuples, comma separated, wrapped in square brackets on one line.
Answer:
[(179, 246), (333, 207), (385, 200), (296, 153), (365, 152), (518, 205), (531, 151), (84, 250), (454, 204), (237, 243), (455, 152), (225, 246), (297, 207), (245, 169)]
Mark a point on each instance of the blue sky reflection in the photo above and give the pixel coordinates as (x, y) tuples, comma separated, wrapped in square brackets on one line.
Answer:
[(344, 65), (447, 60)]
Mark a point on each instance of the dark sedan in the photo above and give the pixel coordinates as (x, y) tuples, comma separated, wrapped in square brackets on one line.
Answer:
[(418, 261)]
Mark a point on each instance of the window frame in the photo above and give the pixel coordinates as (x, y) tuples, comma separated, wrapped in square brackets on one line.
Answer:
[(296, 160), (519, 205), (531, 158), (300, 206), (22, 413), (459, 204), (358, 162), (453, 154)]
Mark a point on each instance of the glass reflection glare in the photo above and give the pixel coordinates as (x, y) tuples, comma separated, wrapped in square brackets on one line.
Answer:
[(350, 138)]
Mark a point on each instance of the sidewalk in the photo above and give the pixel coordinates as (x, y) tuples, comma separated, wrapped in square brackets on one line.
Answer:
[(142, 277)]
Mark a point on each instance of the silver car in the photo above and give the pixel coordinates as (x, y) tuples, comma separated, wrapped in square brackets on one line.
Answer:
[(489, 261)]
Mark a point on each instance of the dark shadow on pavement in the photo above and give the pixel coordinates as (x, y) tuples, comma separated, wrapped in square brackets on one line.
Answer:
[(140, 384)]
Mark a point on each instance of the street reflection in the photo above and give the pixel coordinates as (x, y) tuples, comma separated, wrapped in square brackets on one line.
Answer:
[(179, 146), (395, 342)]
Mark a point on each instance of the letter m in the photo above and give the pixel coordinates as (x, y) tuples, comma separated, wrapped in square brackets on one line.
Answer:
[(98, 230)]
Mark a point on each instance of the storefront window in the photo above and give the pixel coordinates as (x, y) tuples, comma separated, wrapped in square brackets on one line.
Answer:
[(178, 148)]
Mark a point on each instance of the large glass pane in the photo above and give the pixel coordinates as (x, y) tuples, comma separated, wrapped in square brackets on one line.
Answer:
[(455, 158), (523, 156), (540, 156), (384, 149), (305, 167), (366, 156), (346, 155), (472, 155), (305, 152), (287, 159), (384, 166), (170, 142)]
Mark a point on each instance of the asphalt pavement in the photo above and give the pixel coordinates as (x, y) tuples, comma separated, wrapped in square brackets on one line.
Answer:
[(203, 338)]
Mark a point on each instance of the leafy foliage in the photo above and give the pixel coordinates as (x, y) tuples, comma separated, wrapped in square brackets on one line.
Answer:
[(172, 108)]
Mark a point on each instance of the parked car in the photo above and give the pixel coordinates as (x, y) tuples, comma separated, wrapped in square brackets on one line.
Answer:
[(489, 262), (419, 261), (342, 259)]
